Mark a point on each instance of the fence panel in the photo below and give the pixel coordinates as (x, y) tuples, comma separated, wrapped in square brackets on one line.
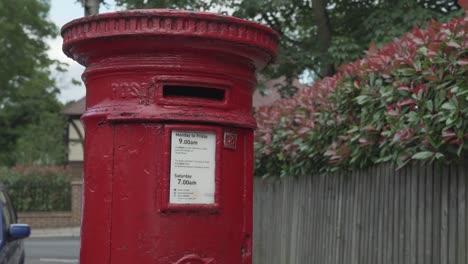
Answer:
[(381, 215)]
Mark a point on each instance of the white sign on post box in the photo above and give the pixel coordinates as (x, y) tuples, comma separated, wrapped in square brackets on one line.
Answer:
[(193, 162)]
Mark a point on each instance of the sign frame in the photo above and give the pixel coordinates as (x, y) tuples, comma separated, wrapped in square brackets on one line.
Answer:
[(165, 205)]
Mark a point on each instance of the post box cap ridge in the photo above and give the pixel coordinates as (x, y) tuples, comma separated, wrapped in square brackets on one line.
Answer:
[(165, 22), (171, 13)]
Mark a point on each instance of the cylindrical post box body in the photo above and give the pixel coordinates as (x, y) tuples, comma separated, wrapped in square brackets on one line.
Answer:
[(169, 135)]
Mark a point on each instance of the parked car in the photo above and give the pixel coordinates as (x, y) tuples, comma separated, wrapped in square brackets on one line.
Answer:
[(11, 233)]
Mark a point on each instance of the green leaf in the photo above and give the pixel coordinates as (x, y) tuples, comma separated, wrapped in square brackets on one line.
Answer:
[(372, 79), (444, 85), (430, 105), (386, 133), (462, 92), (407, 72), (454, 89), (423, 51), (417, 65), (423, 155), (413, 117), (362, 99), (450, 121), (439, 60), (353, 129), (449, 106), (460, 149)]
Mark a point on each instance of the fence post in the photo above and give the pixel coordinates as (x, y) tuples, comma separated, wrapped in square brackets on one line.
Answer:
[(76, 202)]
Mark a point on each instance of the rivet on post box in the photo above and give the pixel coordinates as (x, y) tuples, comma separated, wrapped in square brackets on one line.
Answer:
[(169, 135)]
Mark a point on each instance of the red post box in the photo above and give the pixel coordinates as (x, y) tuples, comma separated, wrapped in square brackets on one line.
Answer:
[(169, 135)]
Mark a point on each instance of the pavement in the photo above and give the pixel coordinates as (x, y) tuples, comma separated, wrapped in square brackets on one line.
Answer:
[(53, 245), (55, 232), (52, 250)]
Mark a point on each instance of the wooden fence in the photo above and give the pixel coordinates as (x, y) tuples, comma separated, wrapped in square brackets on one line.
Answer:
[(417, 214)]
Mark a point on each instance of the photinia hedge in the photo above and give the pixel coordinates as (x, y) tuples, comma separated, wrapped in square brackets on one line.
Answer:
[(407, 100)]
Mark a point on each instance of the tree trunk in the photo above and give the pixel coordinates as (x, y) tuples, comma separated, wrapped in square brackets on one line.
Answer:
[(91, 7), (324, 33)]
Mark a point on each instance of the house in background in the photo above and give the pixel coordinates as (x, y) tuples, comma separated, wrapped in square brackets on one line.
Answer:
[(75, 131), (75, 137)]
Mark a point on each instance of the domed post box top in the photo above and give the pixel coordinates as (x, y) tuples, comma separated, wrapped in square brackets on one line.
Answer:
[(170, 65), (170, 25)]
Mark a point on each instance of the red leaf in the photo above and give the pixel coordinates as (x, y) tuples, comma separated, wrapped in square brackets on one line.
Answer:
[(403, 88), (430, 78), (463, 3), (344, 151), (453, 44), (330, 152), (267, 138), (344, 138), (365, 142), (405, 102), (463, 62), (372, 49), (403, 134), (455, 141), (356, 84), (420, 88), (391, 110), (303, 130), (448, 133)]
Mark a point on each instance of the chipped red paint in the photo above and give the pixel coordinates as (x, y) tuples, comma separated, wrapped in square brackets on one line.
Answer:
[(194, 259), (150, 72)]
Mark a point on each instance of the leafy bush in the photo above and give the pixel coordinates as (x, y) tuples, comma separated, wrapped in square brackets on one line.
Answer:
[(35, 188), (407, 100), (42, 142)]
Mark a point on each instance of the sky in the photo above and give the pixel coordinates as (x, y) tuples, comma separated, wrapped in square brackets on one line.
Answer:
[(61, 12)]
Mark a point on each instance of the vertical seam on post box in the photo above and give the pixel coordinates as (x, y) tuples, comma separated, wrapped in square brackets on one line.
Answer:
[(244, 193), (247, 200), (112, 193)]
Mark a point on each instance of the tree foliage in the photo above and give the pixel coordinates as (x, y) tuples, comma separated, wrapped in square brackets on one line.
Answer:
[(319, 35), (49, 150), (27, 92)]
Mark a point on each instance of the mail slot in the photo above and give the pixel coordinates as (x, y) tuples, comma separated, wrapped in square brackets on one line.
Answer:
[(169, 135), (189, 92)]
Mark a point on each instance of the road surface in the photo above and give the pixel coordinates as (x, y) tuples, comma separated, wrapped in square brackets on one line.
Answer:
[(52, 250)]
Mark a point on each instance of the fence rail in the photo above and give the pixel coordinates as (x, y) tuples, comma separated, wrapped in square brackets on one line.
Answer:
[(414, 215)]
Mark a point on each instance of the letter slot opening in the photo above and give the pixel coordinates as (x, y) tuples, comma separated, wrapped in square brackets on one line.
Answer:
[(216, 94)]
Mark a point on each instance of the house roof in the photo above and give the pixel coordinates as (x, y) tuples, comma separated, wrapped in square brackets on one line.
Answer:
[(77, 108)]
